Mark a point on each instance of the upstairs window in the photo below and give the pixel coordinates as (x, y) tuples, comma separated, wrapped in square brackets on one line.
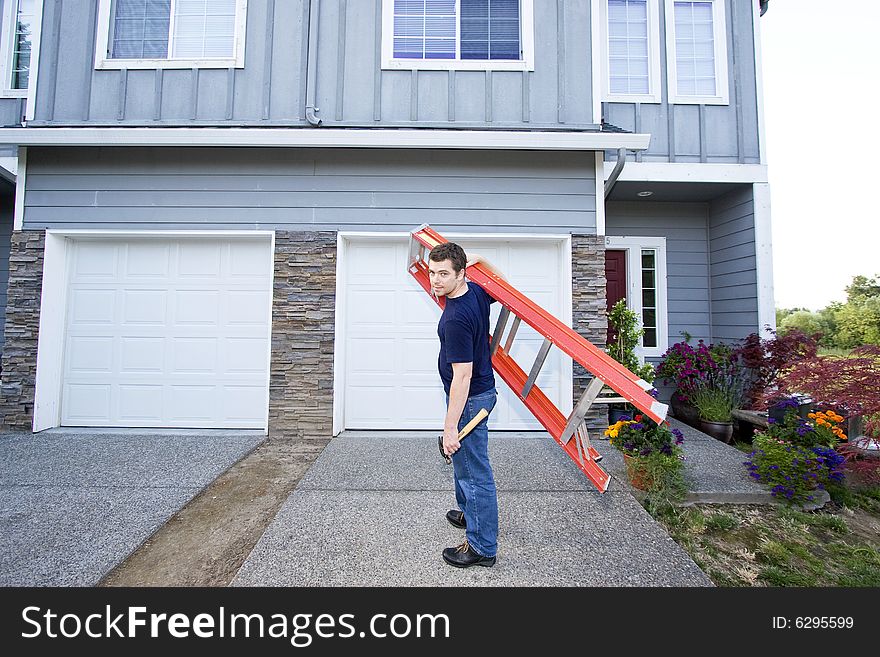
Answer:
[(171, 33), (19, 23), (458, 34), (632, 50), (696, 38)]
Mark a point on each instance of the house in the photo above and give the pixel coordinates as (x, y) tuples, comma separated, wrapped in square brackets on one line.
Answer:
[(206, 203)]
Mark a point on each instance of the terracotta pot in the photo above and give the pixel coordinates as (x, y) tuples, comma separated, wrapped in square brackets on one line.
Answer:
[(637, 476), (722, 431)]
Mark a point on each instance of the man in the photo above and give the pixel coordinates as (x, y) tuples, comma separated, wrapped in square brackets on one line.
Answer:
[(466, 370)]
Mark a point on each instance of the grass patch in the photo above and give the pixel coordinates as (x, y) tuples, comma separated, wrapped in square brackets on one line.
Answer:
[(770, 545)]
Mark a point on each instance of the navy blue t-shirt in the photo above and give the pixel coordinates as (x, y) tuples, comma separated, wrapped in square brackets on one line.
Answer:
[(464, 338)]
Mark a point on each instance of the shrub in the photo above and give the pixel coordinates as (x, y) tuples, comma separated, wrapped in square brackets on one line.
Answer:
[(794, 472), (765, 358), (683, 365)]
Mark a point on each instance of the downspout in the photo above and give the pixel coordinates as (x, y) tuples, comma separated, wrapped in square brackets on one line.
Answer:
[(312, 68), (615, 173)]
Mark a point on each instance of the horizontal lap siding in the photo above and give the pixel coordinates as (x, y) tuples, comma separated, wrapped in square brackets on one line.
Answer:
[(733, 271), (687, 260), (317, 189)]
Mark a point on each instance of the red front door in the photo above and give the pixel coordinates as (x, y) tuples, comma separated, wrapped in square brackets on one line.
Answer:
[(615, 277)]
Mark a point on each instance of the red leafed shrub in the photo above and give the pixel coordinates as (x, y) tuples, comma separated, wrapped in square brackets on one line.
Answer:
[(764, 359), (847, 384)]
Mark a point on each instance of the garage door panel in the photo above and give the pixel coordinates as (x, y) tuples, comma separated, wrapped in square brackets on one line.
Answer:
[(198, 260), (416, 309), (423, 404), (140, 402), (372, 307), (148, 307), (93, 306), (147, 261), (420, 355), (88, 402), (200, 307), (370, 355), (376, 263), (90, 354), (369, 406), (172, 342)]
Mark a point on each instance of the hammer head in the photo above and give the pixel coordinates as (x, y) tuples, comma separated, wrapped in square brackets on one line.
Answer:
[(442, 453)]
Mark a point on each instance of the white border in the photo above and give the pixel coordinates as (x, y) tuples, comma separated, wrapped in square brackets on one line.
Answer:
[(690, 172), (344, 240), (654, 57), (764, 258), (527, 42), (759, 80), (102, 61), (50, 342), (596, 59), (20, 176), (31, 104), (719, 23), (600, 192), (327, 138), (633, 246)]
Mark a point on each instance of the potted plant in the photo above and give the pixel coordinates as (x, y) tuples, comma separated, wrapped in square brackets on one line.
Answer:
[(652, 454), (625, 335), (684, 365), (715, 397)]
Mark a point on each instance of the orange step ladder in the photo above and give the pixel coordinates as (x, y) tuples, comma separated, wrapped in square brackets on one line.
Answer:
[(569, 432)]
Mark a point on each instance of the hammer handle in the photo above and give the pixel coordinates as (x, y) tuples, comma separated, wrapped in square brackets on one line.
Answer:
[(479, 417)]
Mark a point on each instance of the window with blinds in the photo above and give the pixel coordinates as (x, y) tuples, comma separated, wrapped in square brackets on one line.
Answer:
[(695, 49), (173, 29), (457, 29), (696, 36), (628, 57)]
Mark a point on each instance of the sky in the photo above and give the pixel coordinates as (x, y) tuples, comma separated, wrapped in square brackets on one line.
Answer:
[(821, 64)]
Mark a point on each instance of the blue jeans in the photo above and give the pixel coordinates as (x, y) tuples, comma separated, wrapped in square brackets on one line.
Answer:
[(474, 481)]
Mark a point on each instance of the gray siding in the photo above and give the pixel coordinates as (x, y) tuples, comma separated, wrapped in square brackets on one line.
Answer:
[(684, 225), (732, 266), (7, 207), (702, 133), (309, 189), (352, 89)]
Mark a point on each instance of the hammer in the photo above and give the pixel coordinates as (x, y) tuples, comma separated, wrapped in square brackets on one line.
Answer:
[(479, 417)]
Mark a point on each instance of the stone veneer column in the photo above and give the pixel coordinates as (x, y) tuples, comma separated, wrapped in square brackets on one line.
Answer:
[(22, 330), (303, 313), (588, 299)]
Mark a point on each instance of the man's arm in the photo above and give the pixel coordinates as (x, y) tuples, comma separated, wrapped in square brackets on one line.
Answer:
[(476, 258), (458, 395)]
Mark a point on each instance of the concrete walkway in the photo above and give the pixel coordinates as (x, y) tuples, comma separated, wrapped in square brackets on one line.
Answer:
[(75, 503), (370, 512)]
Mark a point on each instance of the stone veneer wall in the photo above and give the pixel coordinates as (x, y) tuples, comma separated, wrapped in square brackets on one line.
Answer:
[(303, 314), (589, 310), (18, 382)]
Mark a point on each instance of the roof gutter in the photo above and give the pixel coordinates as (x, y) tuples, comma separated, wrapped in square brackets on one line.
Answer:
[(312, 67)]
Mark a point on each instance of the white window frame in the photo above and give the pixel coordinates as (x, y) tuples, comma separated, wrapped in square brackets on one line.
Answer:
[(654, 58), (7, 41), (102, 45), (527, 44), (633, 247), (719, 24)]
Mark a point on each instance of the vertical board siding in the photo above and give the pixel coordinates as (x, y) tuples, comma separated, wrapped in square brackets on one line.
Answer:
[(310, 189), (733, 269), (350, 84), (720, 133)]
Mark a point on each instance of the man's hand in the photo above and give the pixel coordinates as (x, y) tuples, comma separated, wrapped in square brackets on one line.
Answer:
[(451, 444), (477, 259)]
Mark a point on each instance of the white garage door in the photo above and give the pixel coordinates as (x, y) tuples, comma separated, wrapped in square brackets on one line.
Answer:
[(391, 344), (167, 333)]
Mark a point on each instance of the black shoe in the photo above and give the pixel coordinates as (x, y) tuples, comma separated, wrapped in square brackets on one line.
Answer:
[(464, 556), (456, 519)]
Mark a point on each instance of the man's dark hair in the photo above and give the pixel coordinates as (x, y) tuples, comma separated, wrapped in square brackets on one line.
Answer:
[(452, 252)]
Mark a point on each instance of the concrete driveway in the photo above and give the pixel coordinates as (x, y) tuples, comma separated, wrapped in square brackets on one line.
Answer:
[(75, 503)]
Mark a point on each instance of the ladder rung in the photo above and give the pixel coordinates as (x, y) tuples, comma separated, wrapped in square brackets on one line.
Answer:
[(536, 366), (499, 330), (510, 336), (581, 408)]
